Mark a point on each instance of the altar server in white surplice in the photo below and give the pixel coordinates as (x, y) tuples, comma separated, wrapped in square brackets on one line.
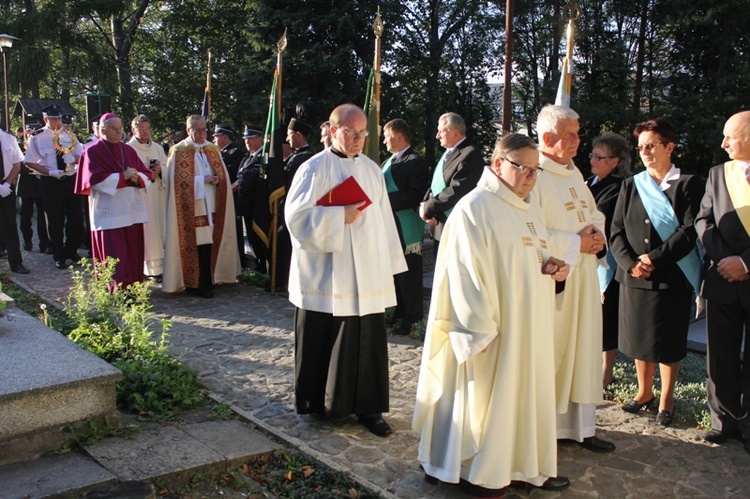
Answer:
[(485, 404), (569, 207), (341, 280)]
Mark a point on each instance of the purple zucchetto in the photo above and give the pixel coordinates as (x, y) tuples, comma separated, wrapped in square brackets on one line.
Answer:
[(105, 117)]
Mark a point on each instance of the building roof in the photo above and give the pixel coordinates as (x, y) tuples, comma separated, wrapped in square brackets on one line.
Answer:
[(27, 108)]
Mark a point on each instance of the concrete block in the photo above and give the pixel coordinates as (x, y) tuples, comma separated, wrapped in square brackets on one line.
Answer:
[(232, 439), (46, 383), (67, 474), (154, 452)]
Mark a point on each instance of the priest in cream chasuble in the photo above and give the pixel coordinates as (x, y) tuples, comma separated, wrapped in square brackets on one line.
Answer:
[(569, 207), (485, 405)]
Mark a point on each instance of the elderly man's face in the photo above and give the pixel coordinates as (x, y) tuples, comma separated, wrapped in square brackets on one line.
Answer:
[(448, 137), (252, 144), (349, 136), (563, 144), (142, 131), (112, 130), (519, 173), (197, 131), (736, 143)]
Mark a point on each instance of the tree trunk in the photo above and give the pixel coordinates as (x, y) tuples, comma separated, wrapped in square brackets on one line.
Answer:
[(641, 58)]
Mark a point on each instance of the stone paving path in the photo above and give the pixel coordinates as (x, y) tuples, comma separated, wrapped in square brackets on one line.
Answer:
[(242, 345)]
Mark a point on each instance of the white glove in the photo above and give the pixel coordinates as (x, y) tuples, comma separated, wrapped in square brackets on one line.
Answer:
[(55, 173), (5, 190), (68, 159)]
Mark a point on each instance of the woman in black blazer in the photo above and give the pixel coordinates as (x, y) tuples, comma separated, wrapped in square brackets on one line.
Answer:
[(656, 292), (610, 164)]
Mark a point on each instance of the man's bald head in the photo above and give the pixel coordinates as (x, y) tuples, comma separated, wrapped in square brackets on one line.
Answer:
[(737, 136), (348, 129)]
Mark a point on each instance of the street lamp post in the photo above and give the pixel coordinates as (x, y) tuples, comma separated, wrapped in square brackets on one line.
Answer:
[(6, 42)]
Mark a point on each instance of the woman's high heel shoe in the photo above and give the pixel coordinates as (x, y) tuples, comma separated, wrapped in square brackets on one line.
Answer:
[(634, 407)]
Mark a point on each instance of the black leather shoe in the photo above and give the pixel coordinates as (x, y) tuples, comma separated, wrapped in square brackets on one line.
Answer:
[(597, 445), (634, 407), (376, 425), (665, 418), (60, 264), (20, 269), (715, 436), (556, 483), (27, 246)]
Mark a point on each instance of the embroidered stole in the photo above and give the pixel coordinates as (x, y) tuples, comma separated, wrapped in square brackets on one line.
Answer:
[(664, 221), (187, 221)]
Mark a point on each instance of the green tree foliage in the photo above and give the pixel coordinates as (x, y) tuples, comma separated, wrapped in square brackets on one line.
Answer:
[(682, 59)]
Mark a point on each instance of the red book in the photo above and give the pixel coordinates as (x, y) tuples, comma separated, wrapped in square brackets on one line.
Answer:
[(347, 192)]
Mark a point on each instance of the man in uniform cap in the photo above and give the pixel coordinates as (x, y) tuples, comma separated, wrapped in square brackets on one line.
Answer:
[(55, 160), (232, 157), (29, 191), (247, 185)]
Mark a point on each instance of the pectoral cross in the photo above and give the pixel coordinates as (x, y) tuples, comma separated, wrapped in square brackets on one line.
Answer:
[(535, 241), (580, 206)]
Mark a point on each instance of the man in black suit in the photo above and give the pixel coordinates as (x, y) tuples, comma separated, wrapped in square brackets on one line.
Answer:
[(406, 177), (724, 230), (456, 174), (247, 188), (232, 157)]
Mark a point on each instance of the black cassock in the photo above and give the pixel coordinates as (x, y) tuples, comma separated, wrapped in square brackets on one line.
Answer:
[(341, 364)]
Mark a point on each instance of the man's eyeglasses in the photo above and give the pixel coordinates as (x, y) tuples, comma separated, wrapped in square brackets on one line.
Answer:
[(354, 133), (648, 147), (529, 171), (199, 130), (599, 158)]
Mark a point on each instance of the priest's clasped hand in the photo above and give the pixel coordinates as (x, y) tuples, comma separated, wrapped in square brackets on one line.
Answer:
[(211, 179), (592, 240), (562, 273), (130, 173), (352, 213)]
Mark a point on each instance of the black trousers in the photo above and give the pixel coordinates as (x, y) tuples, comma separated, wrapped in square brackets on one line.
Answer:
[(9, 230), (27, 213), (410, 306), (340, 364), (205, 275), (64, 210), (728, 369), (259, 248)]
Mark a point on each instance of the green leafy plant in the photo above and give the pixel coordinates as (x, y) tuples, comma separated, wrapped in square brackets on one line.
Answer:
[(253, 279), (116, 324), (222, 412)]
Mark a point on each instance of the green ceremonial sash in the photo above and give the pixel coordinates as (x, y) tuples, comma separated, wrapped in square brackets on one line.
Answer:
[(412, 226)]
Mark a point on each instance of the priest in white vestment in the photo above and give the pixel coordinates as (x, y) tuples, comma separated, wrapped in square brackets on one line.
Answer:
[(341, 280), (201, 242), (485, 404), (569, 207), (153, 156)]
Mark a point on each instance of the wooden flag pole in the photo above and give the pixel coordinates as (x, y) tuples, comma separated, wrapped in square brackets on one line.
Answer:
[(281, 46)]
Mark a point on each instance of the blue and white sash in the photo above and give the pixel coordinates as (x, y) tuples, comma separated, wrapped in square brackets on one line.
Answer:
[(606, 275), (664, 220)]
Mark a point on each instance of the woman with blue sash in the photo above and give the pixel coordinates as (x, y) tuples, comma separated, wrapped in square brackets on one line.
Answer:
[(610, 164), (654, 243)]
